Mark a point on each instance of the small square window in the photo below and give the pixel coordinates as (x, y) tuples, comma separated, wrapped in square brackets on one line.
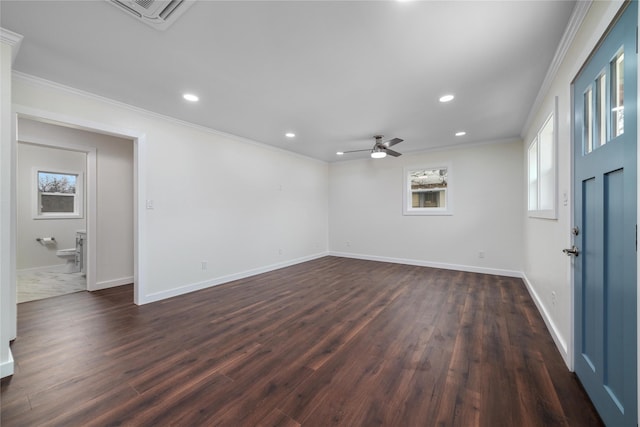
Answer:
[(427, 190), (58, 194)]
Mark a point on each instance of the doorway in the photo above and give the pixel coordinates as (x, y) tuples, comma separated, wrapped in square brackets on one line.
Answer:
[(107, 247), (51, 221), (605, 187)]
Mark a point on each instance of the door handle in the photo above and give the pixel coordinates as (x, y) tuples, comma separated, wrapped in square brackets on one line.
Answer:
[(573, 251)]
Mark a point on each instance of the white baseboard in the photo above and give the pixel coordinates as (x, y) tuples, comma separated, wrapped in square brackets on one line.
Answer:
[(561, 343), (112, 283), (6, 367), (421, 263), (224, 279)]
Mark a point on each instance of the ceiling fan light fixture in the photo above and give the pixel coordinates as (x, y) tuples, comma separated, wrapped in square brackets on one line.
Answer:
[(378, 154)]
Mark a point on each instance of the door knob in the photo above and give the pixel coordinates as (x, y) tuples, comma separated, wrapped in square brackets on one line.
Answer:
[(573, 251)]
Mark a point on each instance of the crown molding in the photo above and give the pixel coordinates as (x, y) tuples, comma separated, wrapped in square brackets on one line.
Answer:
[(30, 79), (12, 39), (577, 16)]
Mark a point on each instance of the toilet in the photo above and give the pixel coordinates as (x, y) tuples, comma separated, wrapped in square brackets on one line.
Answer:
[(75, 256), (70, 256)]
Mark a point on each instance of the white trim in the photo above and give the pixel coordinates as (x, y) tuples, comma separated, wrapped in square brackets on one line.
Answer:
[(78, 196), (577, 16), (422, 263), (139, 222), (113, 283), (6, 367), (594, 37), (560, 342), (553, 212), (407, 194), (139, 141), (158, 296), (12, 39), (43, 82)]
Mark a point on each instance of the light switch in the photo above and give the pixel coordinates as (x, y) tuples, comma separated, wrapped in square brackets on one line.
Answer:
[(149, 204)]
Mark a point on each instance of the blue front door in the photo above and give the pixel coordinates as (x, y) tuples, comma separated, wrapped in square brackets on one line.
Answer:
[(605, 135)]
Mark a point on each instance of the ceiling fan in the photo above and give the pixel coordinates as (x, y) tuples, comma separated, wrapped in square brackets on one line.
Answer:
[(380, 149)]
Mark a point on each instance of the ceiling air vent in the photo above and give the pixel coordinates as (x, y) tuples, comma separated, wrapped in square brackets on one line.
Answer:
[(159, 14)]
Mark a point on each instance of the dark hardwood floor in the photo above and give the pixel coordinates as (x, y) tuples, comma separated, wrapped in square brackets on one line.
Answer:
[(329, 342)]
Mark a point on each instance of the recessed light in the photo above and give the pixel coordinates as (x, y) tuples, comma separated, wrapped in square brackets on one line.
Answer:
[(290, 135), (461, 133), (340, 153), (446, 98), (190, 97)]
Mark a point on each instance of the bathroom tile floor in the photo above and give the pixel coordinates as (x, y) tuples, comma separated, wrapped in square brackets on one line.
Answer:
[(35, 285)]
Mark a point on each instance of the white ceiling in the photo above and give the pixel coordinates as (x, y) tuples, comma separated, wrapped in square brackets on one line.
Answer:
[(334, 72)]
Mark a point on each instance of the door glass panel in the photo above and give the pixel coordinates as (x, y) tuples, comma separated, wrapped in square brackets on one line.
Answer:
[(601, 108), (617, 95), (587, 135)]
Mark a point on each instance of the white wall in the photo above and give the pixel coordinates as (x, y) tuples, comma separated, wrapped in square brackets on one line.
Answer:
[(29, 252), (239, 206), (114, 161), (366, 220), (547, 270)]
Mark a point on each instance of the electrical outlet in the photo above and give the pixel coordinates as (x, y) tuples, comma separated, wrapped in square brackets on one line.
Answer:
[(348, 243), (481, 254), (204, 265), (279, 251), (553, 298)]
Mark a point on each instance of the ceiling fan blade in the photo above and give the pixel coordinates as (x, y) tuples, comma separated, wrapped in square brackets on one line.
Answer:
[(393, 142), (392, 153), (355, 151)]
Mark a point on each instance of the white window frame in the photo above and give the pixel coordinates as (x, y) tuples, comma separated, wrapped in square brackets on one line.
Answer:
[(534, 148), (408, 209), (78, 203)]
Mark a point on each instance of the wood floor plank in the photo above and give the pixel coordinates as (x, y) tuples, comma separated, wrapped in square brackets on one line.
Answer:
[(333, 341), (277, 418)]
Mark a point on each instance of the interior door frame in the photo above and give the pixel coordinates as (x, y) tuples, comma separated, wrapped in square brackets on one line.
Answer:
[(90, 197), (139, 190), (602, 27)]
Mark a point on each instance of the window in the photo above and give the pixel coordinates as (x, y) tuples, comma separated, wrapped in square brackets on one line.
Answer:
[(427, 191), (617, 95), (603, 117), (58, 194), (541, 166)]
